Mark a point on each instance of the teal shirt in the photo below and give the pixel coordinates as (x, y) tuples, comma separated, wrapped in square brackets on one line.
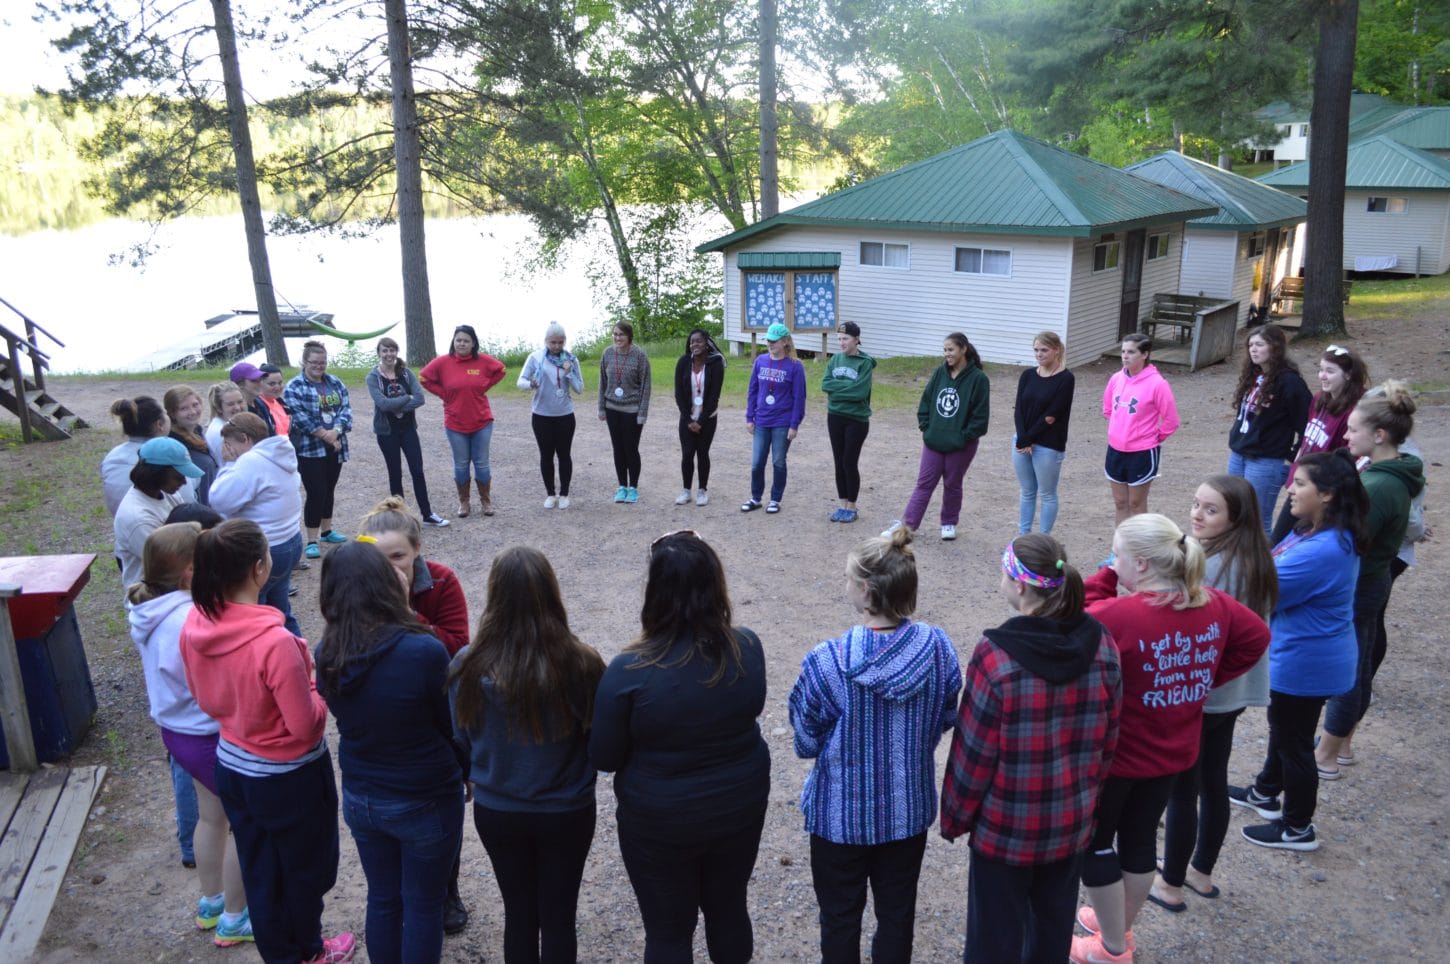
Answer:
[(847, 385), (953, 411)]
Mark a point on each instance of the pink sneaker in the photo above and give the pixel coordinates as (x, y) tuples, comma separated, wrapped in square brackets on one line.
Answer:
[(1087, 919), (337, 949), (1090, 950)]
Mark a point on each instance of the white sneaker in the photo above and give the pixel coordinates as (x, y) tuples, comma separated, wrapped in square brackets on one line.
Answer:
[(886, 532), (550, 502), (703, 498), (948, 533), (563, 502), (683, 498)]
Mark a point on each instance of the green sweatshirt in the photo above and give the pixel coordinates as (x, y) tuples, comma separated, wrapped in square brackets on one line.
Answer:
[(1391, 485), (847, 384), (954, 411)]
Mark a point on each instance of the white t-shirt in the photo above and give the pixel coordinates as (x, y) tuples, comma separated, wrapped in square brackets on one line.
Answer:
[(137, 517)]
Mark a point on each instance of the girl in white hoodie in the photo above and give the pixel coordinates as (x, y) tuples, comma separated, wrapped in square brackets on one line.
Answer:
[(157, 608)]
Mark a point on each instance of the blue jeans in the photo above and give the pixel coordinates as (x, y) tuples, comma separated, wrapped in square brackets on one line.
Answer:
[(407, 849), (279, 584), (1266, 476), (470, 447), (1037, 475), (186, 808), (774, 441)]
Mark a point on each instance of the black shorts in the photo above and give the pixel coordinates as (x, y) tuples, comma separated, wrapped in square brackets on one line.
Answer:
[(1132, 468)]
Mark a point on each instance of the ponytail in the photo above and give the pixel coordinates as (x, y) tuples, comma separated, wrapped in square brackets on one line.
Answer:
[(224, 559), (1041, 564)]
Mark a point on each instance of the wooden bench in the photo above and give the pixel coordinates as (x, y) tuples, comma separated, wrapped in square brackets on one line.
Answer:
[(1177, 312), (1288, 297)]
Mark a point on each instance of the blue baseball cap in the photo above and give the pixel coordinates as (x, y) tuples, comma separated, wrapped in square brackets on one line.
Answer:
[(168, 451), (776, 332)]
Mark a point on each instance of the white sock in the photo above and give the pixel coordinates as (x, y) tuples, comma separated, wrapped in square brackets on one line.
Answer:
[(231, 920)]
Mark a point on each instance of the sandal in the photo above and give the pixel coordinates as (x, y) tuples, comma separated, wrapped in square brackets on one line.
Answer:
[(1327, 775), (773, 507), (750, 505)]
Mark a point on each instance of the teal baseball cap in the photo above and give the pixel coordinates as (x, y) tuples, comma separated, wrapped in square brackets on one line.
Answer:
[(776, 332), (168, 451)]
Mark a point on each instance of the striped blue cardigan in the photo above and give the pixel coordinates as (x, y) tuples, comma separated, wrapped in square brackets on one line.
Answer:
[(870, 707)]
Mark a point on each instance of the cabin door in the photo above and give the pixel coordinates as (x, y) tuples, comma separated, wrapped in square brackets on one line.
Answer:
[(1132, 262)]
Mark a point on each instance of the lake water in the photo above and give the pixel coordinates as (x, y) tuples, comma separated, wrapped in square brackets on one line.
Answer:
[(110, 315)]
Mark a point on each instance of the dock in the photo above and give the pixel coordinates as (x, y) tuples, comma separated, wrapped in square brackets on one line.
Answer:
[(224, 338)]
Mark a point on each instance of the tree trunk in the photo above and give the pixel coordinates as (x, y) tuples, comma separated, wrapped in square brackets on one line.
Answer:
[(769, 179), (1328, 157), (247, 185), (408, 158)]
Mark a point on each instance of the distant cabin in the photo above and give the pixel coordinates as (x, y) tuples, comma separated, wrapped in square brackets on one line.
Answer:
[(1240, 252), (1000, 238)]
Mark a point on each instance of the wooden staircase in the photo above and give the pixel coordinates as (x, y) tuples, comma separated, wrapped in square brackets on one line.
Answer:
[(26, 395)]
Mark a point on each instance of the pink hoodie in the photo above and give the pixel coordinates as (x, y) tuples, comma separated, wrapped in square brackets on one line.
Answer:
[(255, 679), (1140, 410)]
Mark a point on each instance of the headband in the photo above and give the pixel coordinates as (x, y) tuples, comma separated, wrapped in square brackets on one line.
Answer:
[(1013, 567)]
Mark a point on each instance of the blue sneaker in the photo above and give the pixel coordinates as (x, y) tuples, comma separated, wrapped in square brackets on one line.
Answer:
[(631, 494), (621, 494), (836, 516), (209, 911), (312, 552), (237, 932), (849, 515), (333, 536)]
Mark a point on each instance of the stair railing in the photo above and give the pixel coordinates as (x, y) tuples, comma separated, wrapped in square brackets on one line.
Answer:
[(15, 344)]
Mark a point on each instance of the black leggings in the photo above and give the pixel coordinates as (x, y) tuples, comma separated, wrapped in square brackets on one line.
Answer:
[(1128, 811), (848, 435), (695, 450), (1381, 638), (400, 443), (1289, 765), (1197, 817), (624, 432), (555, 435), (319, 480)]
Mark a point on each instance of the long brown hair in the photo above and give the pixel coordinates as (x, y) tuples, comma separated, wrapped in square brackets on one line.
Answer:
[(686, 598), (1248, 573), (224, 559), (543, 675), (1356, 380), (1045, 556), (1279, 363), (165, 559), (362, 602)]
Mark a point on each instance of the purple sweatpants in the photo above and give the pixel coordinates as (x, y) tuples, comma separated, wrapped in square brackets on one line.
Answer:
[(936, 467)]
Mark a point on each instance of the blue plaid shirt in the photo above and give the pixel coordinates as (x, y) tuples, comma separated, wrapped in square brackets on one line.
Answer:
[(318, 406)]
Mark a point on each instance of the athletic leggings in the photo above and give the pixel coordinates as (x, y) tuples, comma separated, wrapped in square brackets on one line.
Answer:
[(848, 435), (319, 480), (555, 435), (1197, 817), (1128, 812), (624, 432), (695, 450)]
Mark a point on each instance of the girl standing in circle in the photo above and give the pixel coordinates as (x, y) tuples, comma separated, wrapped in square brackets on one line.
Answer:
[(1272, 402), (675, 719), (952, 415), (224, 400), (248, 378), (553, 375), (1038, 725), (523, 696), (1044, 405), (699, 375), (273, 384), (1225, 521), (775, 406), (1141, 413), (141, 418), (1314, 652), (847, 387), (462, 379), (1379, 424), (1343, 378), (384, 677), (870, 709), (157, 609), (184, 408), (624, 388), (161, 470), (396, 397), (321, 419), (1176, 639), (274, 773)]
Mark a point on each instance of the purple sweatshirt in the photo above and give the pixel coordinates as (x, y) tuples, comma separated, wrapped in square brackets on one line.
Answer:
[(776, 395)]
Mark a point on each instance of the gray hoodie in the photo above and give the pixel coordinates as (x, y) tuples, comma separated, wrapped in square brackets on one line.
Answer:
[(262, 486)]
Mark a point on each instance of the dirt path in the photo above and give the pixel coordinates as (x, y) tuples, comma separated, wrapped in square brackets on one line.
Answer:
[(1375, 890)]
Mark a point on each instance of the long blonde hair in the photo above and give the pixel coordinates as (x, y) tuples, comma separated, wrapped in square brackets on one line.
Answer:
[(1172, 557)]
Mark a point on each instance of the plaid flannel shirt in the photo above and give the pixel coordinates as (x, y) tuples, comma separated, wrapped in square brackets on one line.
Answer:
[(1028, 756), (314, 407)]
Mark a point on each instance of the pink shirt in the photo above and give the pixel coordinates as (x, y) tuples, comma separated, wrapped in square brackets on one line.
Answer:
[(1140, 410)]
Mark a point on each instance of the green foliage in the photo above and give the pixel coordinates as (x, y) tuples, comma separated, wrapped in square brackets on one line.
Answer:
[(1403, 51)]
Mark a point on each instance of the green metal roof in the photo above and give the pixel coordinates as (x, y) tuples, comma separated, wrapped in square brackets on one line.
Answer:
[(1243, 204), (784, 260), (1379, 162), (1004, 183), (1427, 128)]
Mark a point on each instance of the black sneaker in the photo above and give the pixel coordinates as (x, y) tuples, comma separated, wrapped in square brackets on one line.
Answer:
[(1280, 836), (455, 915), (434, 519), (1266, 807)]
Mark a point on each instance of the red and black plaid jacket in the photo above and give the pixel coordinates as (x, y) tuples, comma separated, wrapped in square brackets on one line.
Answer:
[(1029, 756)]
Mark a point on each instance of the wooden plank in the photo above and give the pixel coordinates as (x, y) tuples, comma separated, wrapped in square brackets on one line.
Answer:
[(12, 788), (22, 838), (21, 933), (14, 714)]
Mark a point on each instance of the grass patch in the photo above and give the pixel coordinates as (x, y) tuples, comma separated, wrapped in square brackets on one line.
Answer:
[(1407, 298)]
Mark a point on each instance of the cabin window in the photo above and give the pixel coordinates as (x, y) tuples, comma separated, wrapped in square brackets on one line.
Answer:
[(990, 261), (883, 254), (1303, 130), (1157, 246), (1386, 205), (1105, 254), (1288, 129), (1255, 248)]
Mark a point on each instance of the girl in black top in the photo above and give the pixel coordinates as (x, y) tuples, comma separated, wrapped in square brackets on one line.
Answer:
[(675, 716), (1271, 405), (698, 376), (1044, 404)]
